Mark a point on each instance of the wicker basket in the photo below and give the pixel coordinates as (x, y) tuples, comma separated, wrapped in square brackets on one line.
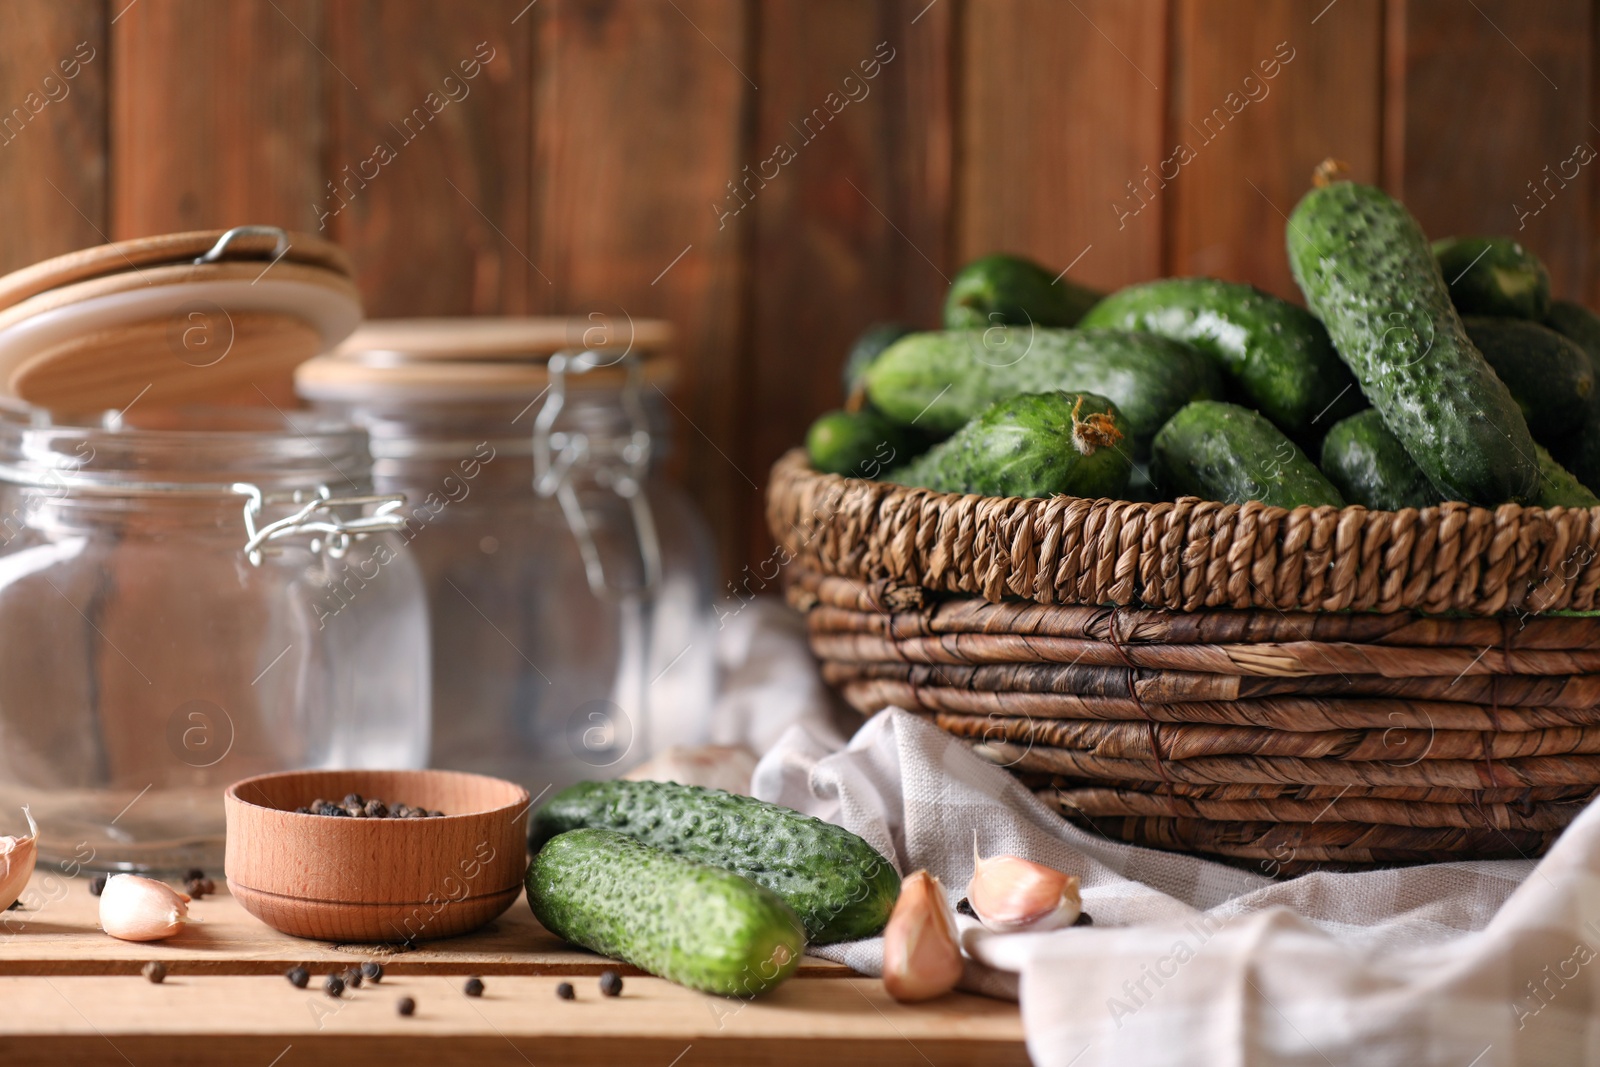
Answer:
[(1288, 689)]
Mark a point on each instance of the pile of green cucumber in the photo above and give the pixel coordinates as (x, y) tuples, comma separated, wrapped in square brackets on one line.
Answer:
[(712, 890), (1416, 373)]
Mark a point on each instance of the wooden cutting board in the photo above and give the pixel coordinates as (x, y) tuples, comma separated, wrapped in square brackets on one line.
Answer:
[(72, 994)]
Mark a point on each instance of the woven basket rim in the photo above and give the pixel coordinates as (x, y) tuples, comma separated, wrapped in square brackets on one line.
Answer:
[(1188, 554)]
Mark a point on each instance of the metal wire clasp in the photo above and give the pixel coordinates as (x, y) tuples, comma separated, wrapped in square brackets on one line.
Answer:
[(215, 253), (555, 454), (315, 516)]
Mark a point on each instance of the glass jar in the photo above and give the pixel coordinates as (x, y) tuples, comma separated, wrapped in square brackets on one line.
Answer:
[(570, 586), (187, 599)]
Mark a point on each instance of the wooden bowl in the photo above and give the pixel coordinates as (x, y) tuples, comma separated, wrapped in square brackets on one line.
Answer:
[(381, 880)]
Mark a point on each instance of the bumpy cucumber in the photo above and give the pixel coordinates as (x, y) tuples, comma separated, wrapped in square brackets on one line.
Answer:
[(1036, 444), (859, 444), (1493, 276), (1224, 452), (1558, 488), (1370, 467), (942, 380), (1551, 377), (1002, 290), (1578, 324), (698, 925), (1364, 460), (867, 347), (1580, 452), (1277, 354), (1368, 273), (838, 885)]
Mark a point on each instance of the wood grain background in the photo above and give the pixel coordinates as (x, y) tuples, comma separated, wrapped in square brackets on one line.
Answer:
[(595, 159)]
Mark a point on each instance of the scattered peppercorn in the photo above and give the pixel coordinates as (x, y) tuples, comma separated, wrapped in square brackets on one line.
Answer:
[(97, 885), (474, 987), (964, 907), (155, 971), (15, 905), (611, 983), (565, 991), (407, 1006), (352, 978), (355, 806), (1084, 919), (298, 977), (372, 972), (334, 986), (199, 887), (194, 874)]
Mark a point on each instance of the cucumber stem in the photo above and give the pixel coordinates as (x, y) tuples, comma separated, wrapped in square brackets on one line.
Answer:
[(1089, 434), (1330, 170)]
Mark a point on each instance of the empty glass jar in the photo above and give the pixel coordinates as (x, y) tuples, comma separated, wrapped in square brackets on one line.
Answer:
[(569, 585), (188, 599)]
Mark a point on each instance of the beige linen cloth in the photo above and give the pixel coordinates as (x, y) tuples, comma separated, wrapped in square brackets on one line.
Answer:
[(1192, 962)]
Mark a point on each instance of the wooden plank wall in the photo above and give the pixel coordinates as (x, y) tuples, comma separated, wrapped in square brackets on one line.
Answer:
[(773, 175)]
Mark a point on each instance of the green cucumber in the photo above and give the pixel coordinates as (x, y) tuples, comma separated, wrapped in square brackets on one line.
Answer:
[(1558, 488), (859, 444), (1277, 354), (1225, 452), (1368, 273), (1366, 462), (1370, 467), (1580, 452), (1551, 377), (695, 924), (838, 885), (1493, 276), (940, 381), (1003, 290), (1036, 444), (1576, 323), (867, 347)]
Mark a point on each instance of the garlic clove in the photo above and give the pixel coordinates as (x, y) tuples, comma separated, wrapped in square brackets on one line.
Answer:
[(18, 855), (1010, 894), (921, 955), (141, 909)]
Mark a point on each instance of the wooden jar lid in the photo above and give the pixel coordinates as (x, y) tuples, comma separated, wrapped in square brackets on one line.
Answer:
[(481, 358), (173, 319)]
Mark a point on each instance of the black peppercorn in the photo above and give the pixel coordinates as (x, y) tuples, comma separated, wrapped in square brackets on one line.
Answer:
[(303, 810), (155, 972), (964, 907), (333, 986), (97, 885), (407, 1006), (298, 977), (474, 987), (372, 972), (352, 978), (1084, 919), (353, 800), (199, 887), (194, 874), (375, 809), (565, 991), (611, 983)]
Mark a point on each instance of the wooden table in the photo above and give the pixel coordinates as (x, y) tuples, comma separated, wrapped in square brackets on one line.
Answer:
[(71, 994)]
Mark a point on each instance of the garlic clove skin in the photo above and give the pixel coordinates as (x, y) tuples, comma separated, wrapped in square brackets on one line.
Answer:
[(141, 909), (921, 954), (18, 855), (1010, 894)]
